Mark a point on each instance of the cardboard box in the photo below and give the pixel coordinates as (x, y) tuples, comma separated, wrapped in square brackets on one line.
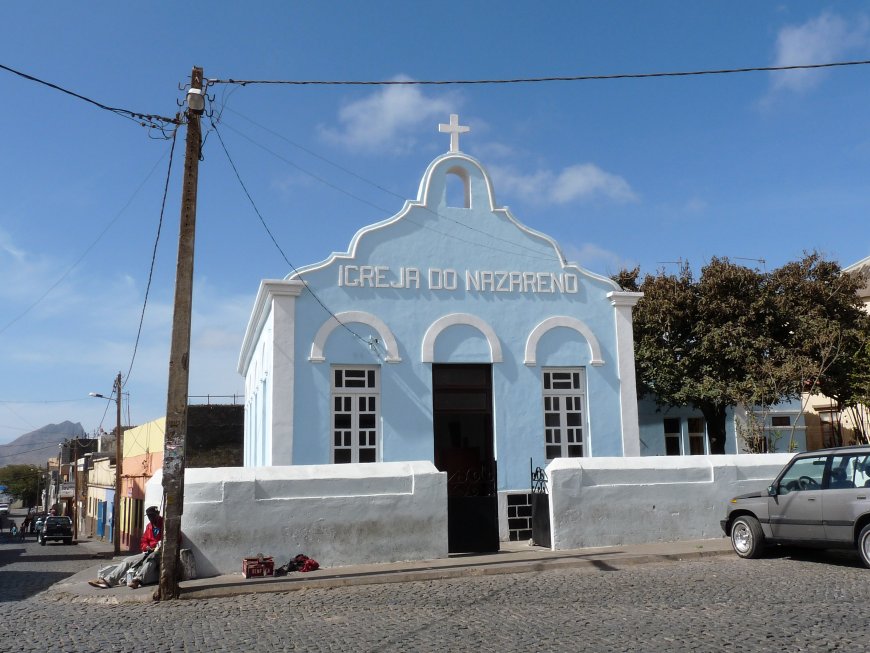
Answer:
[(258, 566)]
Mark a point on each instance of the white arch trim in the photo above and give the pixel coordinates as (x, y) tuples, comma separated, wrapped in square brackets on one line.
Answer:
[(452, 319), (361, 317), (562, 321)]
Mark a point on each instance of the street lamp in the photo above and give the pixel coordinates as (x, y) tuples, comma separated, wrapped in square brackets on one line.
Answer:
[(119, 458)]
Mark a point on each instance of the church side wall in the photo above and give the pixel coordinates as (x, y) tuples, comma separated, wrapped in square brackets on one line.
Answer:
[(337, 514), (258, 380), (613, 501)]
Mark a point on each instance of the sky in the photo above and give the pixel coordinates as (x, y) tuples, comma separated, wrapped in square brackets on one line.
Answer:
[(758, 167)]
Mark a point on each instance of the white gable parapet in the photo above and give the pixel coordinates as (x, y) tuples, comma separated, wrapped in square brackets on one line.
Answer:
[(337, 514), (614, 501)]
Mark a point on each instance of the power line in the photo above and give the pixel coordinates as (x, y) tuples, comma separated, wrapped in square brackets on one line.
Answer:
[(537, 80), (533, 252), (529, 252), (153, 258), (39, 401), (22, 453), (275, 242), (87, 249), (151, 120)]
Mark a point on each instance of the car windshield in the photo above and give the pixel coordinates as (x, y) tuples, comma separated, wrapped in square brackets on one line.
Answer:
[(58, 520)]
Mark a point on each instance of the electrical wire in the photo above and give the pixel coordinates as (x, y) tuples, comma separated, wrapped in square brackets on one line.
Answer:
[(536, 80), (533, 253), (151, 120), (21, 453), (87, 249), (529, 252), (153, 257), (275, 242)]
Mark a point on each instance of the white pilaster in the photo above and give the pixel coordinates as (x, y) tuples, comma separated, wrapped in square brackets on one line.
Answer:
[(281, 396), (622, 303)]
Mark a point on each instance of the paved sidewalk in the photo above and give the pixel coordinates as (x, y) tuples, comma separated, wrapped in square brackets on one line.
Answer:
[(514, 558)]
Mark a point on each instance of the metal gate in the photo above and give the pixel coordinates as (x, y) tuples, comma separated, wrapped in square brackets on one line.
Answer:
[(472, 511), (540, 509)]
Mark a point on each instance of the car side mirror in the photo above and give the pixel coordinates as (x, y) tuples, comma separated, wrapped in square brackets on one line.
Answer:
[(771, 491)]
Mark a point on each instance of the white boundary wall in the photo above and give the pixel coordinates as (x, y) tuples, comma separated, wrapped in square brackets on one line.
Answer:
[(336, 514), (614, 501)]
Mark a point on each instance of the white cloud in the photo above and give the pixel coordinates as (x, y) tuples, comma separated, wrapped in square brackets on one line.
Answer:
[(577, 182), (387, 119), (695, 206), (7, 246), (823, 39), (595, 258)]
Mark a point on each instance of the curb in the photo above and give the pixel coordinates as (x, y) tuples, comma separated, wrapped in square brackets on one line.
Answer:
[(615, 562)]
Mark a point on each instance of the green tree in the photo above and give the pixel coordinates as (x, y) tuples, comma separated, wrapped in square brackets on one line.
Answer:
[(22, 482), (740, 336), (822, 329), (697, 342)]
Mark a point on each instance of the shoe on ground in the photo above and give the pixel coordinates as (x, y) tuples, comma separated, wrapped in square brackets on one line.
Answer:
[(100, 583), (134, 584)]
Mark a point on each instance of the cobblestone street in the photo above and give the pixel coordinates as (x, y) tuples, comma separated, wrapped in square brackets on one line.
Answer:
[(809, 602)]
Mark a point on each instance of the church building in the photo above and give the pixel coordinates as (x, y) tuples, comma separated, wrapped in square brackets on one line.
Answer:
[(450, 333)]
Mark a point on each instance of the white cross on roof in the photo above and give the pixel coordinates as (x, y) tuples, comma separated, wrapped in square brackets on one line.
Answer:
[(454, 129)]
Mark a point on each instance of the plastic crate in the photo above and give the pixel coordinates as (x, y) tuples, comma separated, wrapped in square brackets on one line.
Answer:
[(258, 566)]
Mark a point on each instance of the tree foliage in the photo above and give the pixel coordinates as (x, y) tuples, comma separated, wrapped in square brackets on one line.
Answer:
[(737, 335), (22, 482)]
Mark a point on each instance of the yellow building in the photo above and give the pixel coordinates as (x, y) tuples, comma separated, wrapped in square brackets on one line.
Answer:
[(822, 414), (143, 455)]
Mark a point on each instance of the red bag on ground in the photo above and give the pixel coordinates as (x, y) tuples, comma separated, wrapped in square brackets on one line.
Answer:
[(310, 565)]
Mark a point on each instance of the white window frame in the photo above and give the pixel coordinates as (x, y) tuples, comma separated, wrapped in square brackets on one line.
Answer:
[(770, 429), (675, 435), (702, 435), (562, 402), (357, 402)]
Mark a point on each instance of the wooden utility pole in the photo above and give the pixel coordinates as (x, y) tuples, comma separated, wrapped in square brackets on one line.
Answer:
[(75, 505), (179, 356), (119, 467)]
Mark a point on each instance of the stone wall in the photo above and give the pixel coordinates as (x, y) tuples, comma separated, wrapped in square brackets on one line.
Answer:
[(614, 501), (336, 514), (215, 435)]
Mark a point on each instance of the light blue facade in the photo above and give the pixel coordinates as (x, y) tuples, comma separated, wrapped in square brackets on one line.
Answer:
[(439, 283), (790, 437)]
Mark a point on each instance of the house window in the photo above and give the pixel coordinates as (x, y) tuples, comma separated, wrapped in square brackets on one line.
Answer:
[(355, 414), (697, 436), (673, 436), (780, 425), (828, 421), (564, 410)]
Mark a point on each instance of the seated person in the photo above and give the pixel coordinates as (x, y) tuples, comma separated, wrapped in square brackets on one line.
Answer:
[(838, 479), (145, 565)]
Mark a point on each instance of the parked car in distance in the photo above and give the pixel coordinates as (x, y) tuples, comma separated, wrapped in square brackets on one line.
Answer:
[(4, 508), (56, 528), (820, 499)]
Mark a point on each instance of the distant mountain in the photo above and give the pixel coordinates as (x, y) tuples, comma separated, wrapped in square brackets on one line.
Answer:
[(36, 447)]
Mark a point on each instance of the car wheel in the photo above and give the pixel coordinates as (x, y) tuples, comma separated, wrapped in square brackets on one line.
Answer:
[(68, 540), (747, 538), (864, 545)]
